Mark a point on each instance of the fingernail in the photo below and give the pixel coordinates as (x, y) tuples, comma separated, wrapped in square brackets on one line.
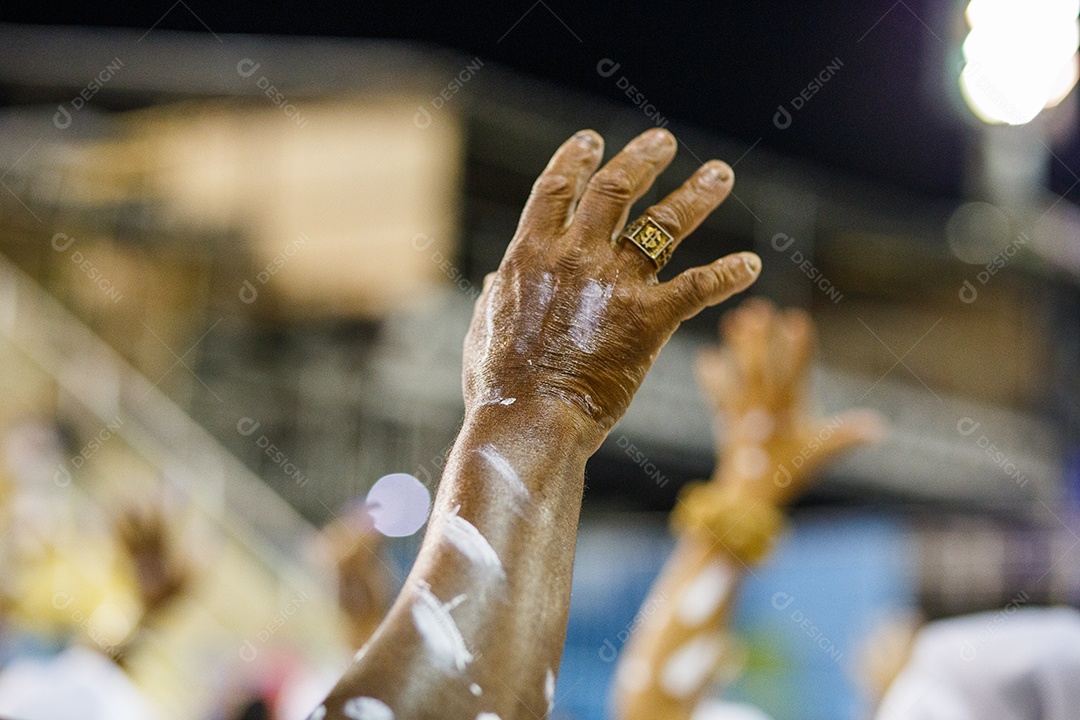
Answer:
[(658, 138), (587, 139), (752, 263), (717, 173)]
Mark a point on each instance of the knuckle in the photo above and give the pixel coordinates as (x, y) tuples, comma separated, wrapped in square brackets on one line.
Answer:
[(553, 185), (728, 276), (701, 285), (615, 183), (672, 216), (639, 320), (719, 278), (704, 284), (512, 264), (682, 294), (570, 263)]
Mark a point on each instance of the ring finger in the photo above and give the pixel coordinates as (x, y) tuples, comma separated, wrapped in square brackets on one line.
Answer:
[(681, 212)]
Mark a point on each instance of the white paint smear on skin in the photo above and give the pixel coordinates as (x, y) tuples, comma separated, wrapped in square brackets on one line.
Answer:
[(535, 311), (549, 690), (634, 675), (464, 536), (488, 716), (438, 629), (500, 465), (758, 424), (318, 713), (367, 708), (690, 666), (702, 597), (507, 401), (475, 690), (590, 311)]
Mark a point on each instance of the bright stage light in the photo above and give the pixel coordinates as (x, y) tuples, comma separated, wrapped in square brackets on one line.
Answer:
[(1020, 57)]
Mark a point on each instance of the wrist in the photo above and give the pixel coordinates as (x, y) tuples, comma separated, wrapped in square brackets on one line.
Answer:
[(539, 422), (745, 525), (739, 487), (756, 474)]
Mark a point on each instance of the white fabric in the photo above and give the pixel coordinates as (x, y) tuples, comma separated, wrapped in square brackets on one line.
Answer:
[(723, 710), (304, 691), (1008, 665), (78, 684)]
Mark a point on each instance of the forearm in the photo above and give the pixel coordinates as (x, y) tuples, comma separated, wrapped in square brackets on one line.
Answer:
[(480, 623), (680, 640)]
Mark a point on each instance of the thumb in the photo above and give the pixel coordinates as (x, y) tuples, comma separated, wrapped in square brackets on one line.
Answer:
[(847, 431)]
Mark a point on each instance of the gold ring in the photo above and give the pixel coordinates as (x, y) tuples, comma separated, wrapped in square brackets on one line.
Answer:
[(651, 239)]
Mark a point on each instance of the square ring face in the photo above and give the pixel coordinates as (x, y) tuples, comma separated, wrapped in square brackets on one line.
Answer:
[(652, 238)]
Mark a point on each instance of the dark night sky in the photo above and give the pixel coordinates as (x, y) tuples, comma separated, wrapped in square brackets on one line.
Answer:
[(886, 114)]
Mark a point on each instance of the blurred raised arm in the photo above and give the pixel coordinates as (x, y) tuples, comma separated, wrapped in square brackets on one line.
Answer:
[(768, 447)]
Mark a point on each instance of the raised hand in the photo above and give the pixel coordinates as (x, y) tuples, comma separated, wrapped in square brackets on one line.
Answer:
[(768, 442), (577, 314), (161, 570)]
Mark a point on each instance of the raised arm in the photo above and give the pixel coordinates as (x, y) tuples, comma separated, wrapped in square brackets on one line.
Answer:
[(161, 568), (562, 336), (768, 446)]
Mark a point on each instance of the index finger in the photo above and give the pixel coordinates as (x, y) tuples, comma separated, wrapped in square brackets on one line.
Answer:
[(558, 188)]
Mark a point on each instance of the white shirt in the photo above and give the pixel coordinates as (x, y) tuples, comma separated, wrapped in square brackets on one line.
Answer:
[(77, 684)]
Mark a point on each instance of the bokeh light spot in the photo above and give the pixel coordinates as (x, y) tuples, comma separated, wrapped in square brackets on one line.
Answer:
[(399, 504)]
